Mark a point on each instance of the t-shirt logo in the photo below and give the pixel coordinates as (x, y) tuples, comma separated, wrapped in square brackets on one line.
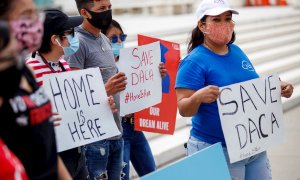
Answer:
[(247, 66), (36, 105)]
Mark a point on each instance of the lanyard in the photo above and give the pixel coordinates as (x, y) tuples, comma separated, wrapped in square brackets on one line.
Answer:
[(50, 67)]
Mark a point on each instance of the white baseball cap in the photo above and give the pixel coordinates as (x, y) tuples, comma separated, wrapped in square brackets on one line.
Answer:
[(213, 8)]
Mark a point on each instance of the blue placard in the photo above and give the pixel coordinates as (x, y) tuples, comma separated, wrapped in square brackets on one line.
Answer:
[(207, 164)]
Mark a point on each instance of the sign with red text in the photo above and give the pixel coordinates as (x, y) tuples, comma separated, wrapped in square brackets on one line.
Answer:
[(141, 67), (161, 118), (80, 99), (251, 116)]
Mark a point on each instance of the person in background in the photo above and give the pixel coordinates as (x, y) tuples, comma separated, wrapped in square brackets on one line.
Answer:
[(214, 61), (10, 167), (25, 110), (60, 40), (136, 146)]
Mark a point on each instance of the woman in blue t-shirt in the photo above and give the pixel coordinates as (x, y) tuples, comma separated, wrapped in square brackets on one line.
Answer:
[(214, 61)]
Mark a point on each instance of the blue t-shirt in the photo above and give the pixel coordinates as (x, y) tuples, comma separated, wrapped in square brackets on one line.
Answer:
[(203, 67)]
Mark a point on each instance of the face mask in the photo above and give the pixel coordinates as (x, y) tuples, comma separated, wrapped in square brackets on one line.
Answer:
[(28, 33), (219, 33), (74, 45), (116, 48), (11, 84), (100, 20)]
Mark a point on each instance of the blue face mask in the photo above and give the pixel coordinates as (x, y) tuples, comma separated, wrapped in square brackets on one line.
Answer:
[(74, 45), (116, 48)]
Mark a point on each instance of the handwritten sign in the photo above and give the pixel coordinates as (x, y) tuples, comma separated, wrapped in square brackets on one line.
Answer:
[(81, 100), (208, 164), (140, 64), (251, 116), (161, 118)]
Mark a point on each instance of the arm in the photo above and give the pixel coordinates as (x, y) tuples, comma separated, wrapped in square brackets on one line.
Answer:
[(63, 173), (189, 101)]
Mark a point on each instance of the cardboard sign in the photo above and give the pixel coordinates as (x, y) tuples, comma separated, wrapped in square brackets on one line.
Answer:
[(251, 116), (140, 64), (81, 100), (161, 118), (208, 164)]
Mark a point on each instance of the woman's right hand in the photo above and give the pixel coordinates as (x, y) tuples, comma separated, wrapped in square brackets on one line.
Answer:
[(188, 100), (208, 94)]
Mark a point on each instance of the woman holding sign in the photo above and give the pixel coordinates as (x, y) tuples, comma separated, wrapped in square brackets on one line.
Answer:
[(58, 40), (214, 61), (136, 147)]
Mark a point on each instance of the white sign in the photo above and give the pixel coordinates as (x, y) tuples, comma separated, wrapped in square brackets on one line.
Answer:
[(144, 89), (81, 100), (251, 116)]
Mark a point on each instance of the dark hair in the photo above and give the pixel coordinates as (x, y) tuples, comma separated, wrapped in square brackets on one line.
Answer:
[(5, 7), (84, 4), (46, 45), (113, 24), (197, 37), (5, 35)]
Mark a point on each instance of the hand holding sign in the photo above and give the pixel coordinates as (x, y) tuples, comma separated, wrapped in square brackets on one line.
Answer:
[(116, 84), (208, 94), (112, 104), (162, 69), (286, 89), (56, 118)]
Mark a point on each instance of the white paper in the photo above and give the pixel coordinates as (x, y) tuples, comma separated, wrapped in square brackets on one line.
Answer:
[(81, 100), (251, 116), (141, 66)]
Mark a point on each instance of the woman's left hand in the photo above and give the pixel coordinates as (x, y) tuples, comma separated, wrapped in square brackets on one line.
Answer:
[(162, 69), (56, 119), (286, 89)]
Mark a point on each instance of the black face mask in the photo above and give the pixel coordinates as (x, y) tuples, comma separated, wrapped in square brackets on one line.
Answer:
[(100, 20), (10, 80)]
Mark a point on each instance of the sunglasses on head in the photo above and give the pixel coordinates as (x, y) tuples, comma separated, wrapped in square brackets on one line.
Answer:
[(114, 39)]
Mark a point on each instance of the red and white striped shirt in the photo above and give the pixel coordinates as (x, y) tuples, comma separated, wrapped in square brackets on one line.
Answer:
[(40, 68)]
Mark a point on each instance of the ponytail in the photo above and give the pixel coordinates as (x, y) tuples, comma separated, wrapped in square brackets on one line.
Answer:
[(196, 39)]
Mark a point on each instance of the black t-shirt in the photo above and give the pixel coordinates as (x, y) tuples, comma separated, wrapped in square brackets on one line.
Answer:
[(28, 132)]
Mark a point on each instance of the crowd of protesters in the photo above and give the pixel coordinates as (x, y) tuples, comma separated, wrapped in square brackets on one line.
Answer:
[(34, 44)]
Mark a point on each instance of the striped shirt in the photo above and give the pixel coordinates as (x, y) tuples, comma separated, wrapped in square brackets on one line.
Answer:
[(40, 68)]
